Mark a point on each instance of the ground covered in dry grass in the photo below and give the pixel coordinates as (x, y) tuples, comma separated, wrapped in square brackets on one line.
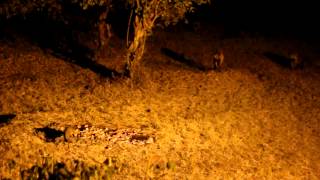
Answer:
[(253, 120)]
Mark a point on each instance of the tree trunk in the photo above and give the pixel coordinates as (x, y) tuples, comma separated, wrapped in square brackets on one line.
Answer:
[(104, 29), (136, 48)]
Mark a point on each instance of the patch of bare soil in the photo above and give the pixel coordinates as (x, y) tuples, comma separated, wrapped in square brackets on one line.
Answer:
[(256, 119)]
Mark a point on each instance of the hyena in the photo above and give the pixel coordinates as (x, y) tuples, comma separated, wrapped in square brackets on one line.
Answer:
[(217, 60), (295, 61)]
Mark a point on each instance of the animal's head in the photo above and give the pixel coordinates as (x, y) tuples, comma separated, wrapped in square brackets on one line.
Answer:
[(295, 60), (219, 56)]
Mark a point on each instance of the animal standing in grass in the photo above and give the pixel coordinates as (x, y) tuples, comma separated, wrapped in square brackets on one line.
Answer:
[(218, 60), (295, 61)]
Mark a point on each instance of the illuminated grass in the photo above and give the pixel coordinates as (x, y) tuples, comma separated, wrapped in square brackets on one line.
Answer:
[(253, 120)]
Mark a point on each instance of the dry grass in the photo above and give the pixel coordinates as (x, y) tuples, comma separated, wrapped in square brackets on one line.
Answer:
[(253, 120)]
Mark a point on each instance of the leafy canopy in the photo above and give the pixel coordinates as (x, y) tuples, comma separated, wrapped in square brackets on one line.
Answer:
[(166, 12)]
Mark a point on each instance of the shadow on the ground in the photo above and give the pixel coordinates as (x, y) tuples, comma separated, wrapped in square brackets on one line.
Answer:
[(182, 59), (83, 57), (278, 59), (6, 118), (50, 134), (58, 40)]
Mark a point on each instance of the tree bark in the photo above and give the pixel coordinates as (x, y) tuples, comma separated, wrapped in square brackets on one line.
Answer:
[(136, 48), (104, 29), (143, 23)]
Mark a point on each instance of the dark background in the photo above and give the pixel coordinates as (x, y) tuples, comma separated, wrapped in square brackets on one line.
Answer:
[(274, 17), (299, 18)]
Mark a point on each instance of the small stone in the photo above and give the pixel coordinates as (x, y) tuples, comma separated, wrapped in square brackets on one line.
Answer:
[(150, 140), (69, 134), (59, 139), (171, 165)]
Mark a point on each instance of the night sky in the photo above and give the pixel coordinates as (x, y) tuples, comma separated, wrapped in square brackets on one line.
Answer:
[(270, 16), (296, 17)]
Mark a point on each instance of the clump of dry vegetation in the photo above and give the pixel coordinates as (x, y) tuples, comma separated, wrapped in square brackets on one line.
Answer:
[(253, 120)]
